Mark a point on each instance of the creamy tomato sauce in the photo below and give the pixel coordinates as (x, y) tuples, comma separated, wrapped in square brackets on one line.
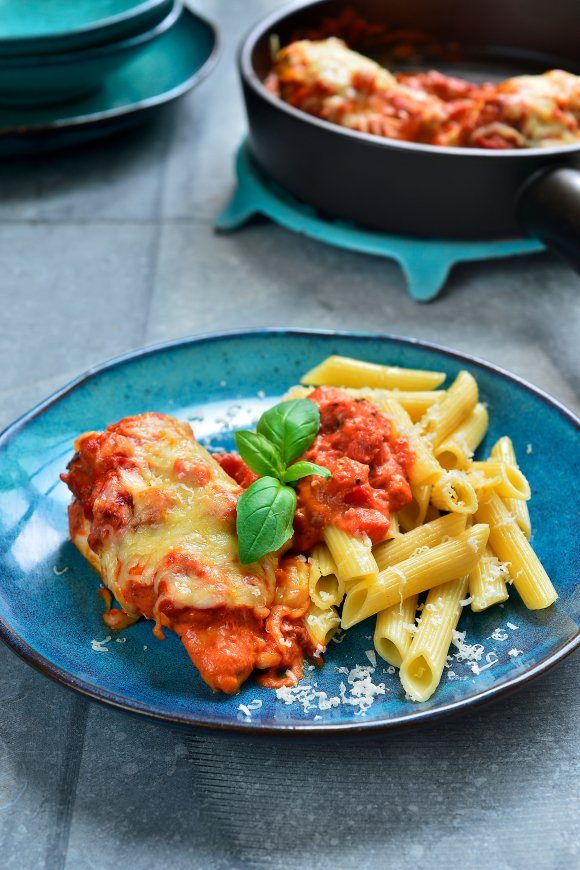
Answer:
[(369, 468), (140, 489)]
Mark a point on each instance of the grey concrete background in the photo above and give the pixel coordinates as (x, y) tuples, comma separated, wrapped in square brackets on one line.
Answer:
[(111, 247)]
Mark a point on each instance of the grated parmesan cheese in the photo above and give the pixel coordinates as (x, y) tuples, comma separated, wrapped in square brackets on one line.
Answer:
[(99, 645), (371, 656), (515, 652), (419, 551), (59, 572)]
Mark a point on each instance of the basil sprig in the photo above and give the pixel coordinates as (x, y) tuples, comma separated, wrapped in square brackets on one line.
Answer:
[(265, 511)]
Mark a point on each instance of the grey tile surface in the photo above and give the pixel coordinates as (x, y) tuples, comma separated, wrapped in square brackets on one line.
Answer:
[(112, 246)]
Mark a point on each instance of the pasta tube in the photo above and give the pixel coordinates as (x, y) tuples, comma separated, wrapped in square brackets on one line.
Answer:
[(454, 492), (424, 662), (413, 514), (458, 448), (322, 561), (487, 582), (444, 418), (507, 480), (321, 625), (391, 552), (503, 450), (415, 402), (424, 468), (442, 563), (392, 637), (326, 590), (352, 556), (342, 371), (394, 527), (511, 545)]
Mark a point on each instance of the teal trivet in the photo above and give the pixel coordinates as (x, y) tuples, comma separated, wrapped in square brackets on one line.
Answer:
[(425, 262)]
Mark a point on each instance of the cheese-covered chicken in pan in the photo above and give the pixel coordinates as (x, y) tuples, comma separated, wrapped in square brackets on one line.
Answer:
[(325, 78)]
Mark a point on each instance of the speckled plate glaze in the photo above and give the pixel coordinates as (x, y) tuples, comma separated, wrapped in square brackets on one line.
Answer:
[(50, 613), (165, 69)]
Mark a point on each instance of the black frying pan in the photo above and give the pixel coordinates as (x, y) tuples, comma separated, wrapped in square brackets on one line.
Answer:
[(424, 190)]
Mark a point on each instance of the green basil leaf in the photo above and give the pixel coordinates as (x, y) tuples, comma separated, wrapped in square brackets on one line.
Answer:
[(303, 469), (291, 426), (265, 514), (258, 453)]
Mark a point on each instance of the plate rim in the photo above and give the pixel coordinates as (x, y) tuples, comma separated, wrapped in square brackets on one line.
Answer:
[(22, 131), (408, 720), (138, 10)]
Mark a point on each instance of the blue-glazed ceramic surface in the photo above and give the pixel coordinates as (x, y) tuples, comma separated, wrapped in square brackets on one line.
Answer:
[(37, 79), (49, 609), (33, 27), (127, 96)]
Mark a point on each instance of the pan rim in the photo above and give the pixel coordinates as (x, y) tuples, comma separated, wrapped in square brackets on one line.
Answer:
[(249, 77)]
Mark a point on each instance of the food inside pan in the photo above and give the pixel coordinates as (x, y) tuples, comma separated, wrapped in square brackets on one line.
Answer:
[(325, 78)]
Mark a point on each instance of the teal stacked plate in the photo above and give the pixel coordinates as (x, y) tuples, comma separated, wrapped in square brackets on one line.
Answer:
[(49, 26), (47, 76), (164, 70)]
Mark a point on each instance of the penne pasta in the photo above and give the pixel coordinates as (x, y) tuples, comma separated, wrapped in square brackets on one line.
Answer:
[(438, 565), (433, 533), (454, 492), (415, 402), (392, 637), (352, 556), (413, 514), (503, 450), (326, 590), (321, 625), (322, 560), (487, 582), (511, 545), (423, 664), (458, 448), (394, 528), (425, 468), (342, 371), (444, 418), (507, 480)]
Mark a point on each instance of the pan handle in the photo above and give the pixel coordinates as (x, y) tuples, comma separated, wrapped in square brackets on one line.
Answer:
[(548, 207)]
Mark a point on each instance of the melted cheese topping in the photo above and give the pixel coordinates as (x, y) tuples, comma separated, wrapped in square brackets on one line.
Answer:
[(180, 536), (325, 78)]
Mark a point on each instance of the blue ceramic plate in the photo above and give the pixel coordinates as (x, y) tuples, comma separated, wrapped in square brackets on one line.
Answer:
[(165, 69), (49, 610), (30, 27), (40, 79)]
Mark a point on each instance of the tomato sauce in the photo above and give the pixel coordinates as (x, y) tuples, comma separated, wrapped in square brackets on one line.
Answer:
[(369, 467), (234, 465), (227, 645)]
